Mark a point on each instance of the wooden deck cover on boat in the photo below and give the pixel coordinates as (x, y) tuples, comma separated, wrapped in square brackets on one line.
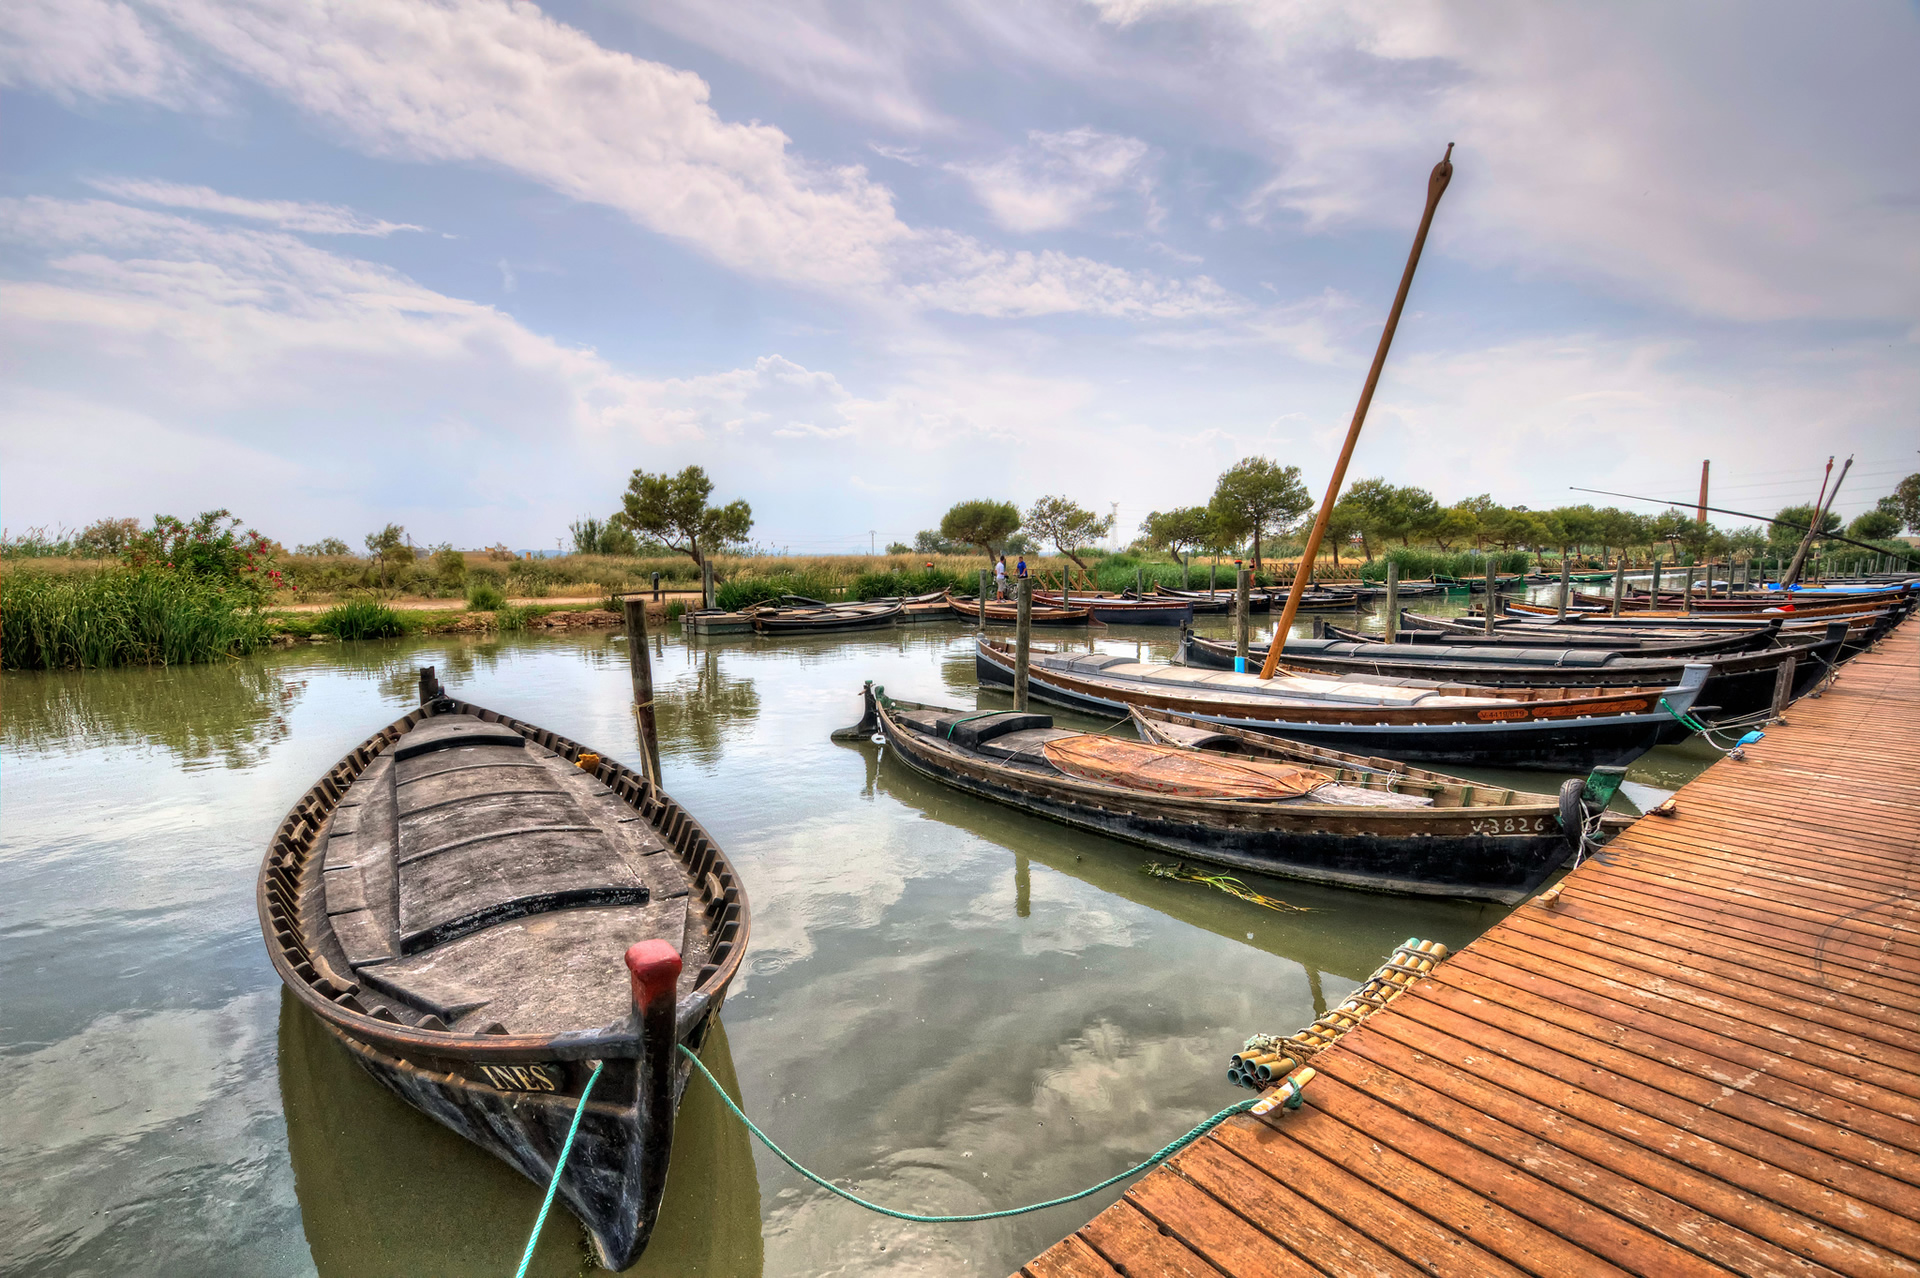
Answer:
[(470, 872), (1141, 765)]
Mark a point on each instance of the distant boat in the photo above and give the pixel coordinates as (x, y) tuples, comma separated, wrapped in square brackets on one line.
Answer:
[(1741, 683), (1244, 800), (824, 617), (1117, 610), (1493, 727), (1006, 612), (484, 914)]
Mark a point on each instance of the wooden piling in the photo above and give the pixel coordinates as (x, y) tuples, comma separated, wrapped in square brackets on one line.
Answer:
[(1393, 600), (1654, 589), (1619, 583), (1566, 585), (1242, 599), (1784, 686), (1493, 590), (983, 600), (1022, 642), (640, 665), (1687, 598), (706, 584)]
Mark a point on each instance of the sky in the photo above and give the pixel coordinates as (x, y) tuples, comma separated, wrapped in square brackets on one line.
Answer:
[(464, 266)]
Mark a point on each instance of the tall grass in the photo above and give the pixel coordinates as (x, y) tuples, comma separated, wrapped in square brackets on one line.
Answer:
[(484, 596), (1417, 565), (361, 619), (120, 617), (913, 581)]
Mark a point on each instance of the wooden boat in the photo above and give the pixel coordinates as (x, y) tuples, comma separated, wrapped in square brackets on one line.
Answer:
[(1114, 610), (1205, 604), (1369, 823), (1742, 611), (1739, 684), (1422, 630), (1006, 612), (1505, 727), (483, 913), (840, 616)]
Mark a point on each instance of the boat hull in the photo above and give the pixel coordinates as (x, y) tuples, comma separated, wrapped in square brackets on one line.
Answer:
[(1741, 684), (1549, 744), (1461, 853)]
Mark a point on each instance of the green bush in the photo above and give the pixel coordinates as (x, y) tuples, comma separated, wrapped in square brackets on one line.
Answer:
[(676, 610), (1418, 565), (887, 585), (512, 616), (124, 616), (360, 619), (484, 596), (744, 592)]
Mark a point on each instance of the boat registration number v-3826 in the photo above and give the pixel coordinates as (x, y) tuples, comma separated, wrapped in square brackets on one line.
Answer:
[(521, 1078), (1509, 825)]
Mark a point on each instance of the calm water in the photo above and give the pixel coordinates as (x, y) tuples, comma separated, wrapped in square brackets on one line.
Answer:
[(947, 1006)]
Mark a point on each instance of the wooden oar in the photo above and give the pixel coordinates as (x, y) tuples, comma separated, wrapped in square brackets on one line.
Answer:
[(1436, 186)]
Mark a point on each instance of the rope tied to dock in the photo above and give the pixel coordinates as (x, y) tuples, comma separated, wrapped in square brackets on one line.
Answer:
[(1166, 1152), (559, 1166)]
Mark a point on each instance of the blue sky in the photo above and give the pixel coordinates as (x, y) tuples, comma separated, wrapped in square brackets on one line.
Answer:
[(464, 266)]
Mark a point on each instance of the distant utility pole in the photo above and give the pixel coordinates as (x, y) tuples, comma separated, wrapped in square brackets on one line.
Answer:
[(1114, 509), (871, 543)]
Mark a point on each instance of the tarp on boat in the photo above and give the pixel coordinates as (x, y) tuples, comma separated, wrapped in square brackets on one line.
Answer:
[(1139, 765)]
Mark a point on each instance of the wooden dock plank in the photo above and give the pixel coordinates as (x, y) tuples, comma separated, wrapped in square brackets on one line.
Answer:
[(1704, 1058)]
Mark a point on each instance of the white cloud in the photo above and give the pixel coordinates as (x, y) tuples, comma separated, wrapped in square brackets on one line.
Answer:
[(288, 215), (499, 82), (1746, 166), (1057, 179), (103, 49)]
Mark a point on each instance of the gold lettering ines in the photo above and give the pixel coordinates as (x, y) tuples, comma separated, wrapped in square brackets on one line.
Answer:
[(520, 1078)]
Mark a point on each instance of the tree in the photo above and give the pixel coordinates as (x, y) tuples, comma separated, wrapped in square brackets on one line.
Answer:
[(899, 548), (325, 546), (1452, 526), (1875, 525), (673, 510), (109, 538), (983, 523), (389, 550), (1785, 540), (1067, 526), (1258, 498), (593, 536), (929, 542), (1185, 528), (1906, 494)]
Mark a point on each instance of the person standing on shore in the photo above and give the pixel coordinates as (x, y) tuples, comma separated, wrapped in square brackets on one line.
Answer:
[(1000, 578)]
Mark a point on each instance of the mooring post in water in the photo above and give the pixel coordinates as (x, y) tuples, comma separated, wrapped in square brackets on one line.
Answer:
[(1319, 627), (1566, 584), (706, 584), (1654, 589), (983, 601), (1619, 583), (1213, 570), (1393, 600), (640, 664), (1242, 605), (1686, 605), (1022, 641), (1493, 590)]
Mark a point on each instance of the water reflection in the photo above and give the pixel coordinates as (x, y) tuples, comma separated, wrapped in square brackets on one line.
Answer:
[(698, 704), (217, 715), (385, 1190)]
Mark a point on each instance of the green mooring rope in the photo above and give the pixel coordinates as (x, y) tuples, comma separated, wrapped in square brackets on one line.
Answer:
[(1686, 719), (1166, 1153), (558, 1166)]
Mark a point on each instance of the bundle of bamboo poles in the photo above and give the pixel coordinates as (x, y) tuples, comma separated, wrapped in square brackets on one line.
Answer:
[(1267, 1058)]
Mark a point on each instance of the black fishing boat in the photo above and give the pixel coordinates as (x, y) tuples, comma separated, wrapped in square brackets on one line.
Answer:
[(1740, 683), (1418, 628), (1491, 727), (1119, 610), (489, 916), (1363, 822)]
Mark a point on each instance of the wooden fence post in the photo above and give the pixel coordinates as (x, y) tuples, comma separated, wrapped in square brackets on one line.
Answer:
[(640, 665), (1022, 642)]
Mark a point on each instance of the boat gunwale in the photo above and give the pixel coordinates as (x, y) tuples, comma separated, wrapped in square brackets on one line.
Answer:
[(291, 849)]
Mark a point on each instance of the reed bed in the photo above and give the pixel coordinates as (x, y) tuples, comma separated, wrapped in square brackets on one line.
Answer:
[(361, 619), (119, 617)]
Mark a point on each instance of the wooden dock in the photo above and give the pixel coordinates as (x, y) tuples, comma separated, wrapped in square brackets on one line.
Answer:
[(1702, 1058)]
